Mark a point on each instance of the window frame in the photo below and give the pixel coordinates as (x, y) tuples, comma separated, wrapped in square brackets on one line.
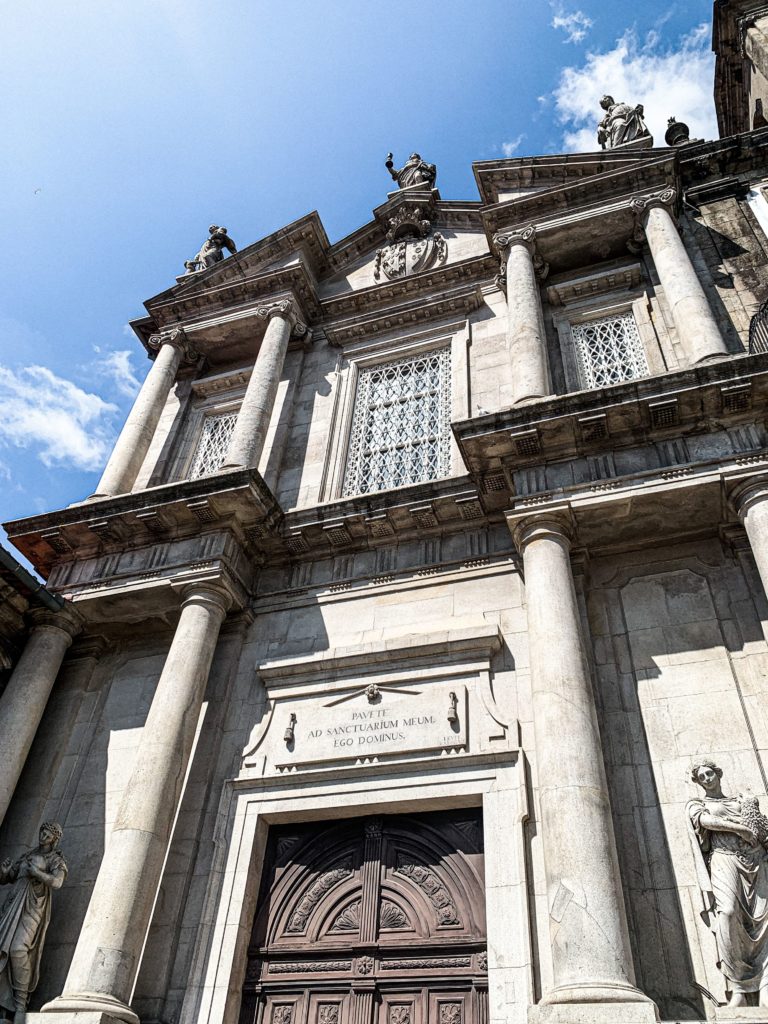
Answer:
[(369, 353)]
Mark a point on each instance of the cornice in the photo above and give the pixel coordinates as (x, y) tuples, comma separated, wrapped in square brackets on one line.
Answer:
[(462, 301), (393, 294)]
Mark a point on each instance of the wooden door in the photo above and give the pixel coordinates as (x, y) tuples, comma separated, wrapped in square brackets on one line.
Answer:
[(371, 921)]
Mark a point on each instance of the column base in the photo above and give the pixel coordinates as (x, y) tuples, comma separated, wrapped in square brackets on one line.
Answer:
[(73, 1017), (86, 1007), (594, 1004)]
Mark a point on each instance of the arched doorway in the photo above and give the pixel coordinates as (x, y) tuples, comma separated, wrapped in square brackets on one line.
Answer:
[(371, 921)]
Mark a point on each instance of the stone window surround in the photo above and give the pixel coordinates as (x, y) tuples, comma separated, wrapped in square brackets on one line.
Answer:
[(374, 352), (206, 401), (594, 308)]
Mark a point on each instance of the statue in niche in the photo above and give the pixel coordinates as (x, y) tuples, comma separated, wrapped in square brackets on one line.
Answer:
[(729, 837), (621, 124), (414, 172), (212, 250), (24, 917)]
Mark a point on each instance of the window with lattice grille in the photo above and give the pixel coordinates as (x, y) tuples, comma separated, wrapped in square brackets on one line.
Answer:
[(609, 350), (401, 424), (213, 443)]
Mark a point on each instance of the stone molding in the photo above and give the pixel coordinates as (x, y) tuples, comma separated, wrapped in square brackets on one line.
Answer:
[(745, 23)]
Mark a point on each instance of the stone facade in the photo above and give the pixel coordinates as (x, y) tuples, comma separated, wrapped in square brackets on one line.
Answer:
[(539, 597)]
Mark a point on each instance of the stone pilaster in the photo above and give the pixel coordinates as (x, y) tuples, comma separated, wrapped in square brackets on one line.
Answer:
[(108, 952), (24, 698), (250, 433), (591, 956), (526, 336), (136, 436), (694, 320)]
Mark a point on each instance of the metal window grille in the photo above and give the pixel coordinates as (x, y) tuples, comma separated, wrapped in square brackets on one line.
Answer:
[(213, 443), (609, 351), (401, 424), (758, 330)]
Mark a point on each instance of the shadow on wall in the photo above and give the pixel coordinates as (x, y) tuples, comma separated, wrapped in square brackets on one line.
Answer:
[(680, 665)]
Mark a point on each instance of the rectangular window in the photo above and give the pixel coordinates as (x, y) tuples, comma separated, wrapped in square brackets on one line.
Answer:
[(609, 350), (213, 444), (401, 424)]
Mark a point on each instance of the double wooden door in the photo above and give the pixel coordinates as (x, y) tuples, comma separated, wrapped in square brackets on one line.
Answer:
[(371, 921)]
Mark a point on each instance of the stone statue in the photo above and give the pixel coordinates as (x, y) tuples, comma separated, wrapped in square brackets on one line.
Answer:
[(415, 172), (24, 917), (728, 836), (212, 250), (621, 124)]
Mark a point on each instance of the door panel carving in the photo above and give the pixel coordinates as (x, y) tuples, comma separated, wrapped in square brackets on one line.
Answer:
[(371, 921)]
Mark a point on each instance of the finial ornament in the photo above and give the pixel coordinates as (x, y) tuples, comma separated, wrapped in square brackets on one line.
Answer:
[(415, 171), (729, 836), (621, 125), (212, 250), (24, 917)]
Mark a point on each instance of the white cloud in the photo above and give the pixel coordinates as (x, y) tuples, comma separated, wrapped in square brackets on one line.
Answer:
[(669, 82), (116, 366), (510, 148), (64, 424), (575, 25)]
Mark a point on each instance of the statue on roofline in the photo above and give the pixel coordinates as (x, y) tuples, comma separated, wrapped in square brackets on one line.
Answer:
[(415, 171), (212, 250), (621, 124)]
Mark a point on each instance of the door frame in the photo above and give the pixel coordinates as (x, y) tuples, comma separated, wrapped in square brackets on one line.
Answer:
[(496, 782)]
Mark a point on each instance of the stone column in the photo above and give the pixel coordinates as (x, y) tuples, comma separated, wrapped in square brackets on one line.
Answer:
[(250, 433), (526, 336), (24, 698), (694, 320), (139, 429), (592, 961), (108, 952), (751, 503)]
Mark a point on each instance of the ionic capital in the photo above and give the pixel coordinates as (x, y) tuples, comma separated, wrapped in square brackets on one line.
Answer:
[(747, 495), (503, 241), (287, 310), (554, 525), (176, 337), (666, 198)]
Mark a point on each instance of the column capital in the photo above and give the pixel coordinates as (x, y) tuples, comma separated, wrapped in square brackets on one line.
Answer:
[(176, 337), (504, 241), (554, 524), (748, 493), (211, 593), (665, 197), (67, 620), (287, 310)]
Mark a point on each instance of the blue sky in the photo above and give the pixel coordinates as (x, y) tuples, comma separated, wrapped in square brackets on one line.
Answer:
[(129, 127)]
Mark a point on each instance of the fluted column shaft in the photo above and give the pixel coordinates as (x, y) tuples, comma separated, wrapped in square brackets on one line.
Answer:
[(526, 335), (107, 956), (590, 945), (24, 698), (250, 433), (694, 320), (136, 436)]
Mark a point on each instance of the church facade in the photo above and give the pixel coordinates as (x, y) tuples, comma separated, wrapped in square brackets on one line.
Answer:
[(415, 635)]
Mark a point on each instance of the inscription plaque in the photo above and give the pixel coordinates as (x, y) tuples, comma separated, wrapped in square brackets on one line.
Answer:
[(395, 723)]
